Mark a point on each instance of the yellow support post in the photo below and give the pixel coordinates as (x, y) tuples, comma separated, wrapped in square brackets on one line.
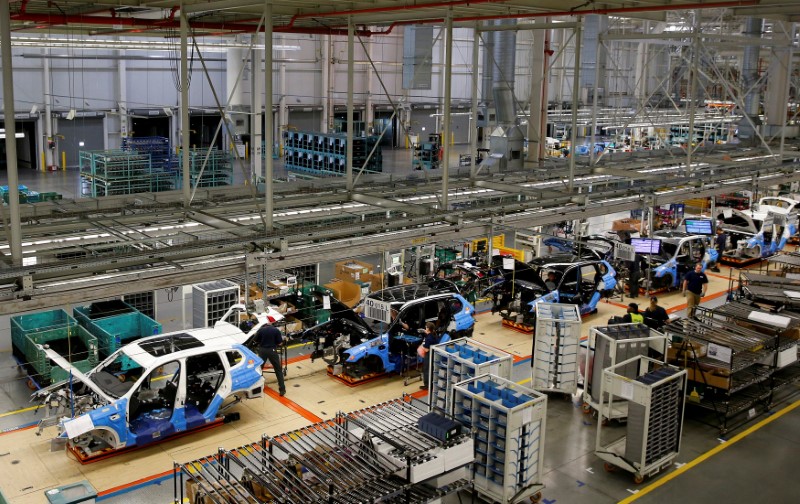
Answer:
[(452, 138), (44, 168), (64, 160)]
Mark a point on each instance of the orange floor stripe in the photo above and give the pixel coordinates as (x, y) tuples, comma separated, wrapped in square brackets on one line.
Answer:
[(134, 483), (311, 417), (707, 298), (11, 431)]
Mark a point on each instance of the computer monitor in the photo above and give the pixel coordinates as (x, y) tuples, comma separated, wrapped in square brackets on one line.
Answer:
[(699, 227), (646, 245)]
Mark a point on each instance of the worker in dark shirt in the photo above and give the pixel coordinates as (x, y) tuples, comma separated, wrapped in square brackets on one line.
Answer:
[(633, 316), (269, 339), (695, 284), (634, 273), (655, 316), (431, 338)]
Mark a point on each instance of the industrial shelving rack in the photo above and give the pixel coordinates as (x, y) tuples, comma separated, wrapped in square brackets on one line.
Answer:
[(161, 157), (555, 355), (211, 300), (460, 360), (110, 172), (145, 302), (218, 169), (373, 455), (609, 345), (655, 404), (730, 366), (426, 154), (509, 424), (326, 153)]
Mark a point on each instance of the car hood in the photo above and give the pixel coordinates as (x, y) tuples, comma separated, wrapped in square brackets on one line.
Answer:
[(75, 373)]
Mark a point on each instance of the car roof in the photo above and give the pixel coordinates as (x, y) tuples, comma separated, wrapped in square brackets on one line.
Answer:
[(409, 292), (222, 336)]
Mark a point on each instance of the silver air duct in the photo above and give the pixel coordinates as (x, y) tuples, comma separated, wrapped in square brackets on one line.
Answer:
[(506, 141), (752, 98)]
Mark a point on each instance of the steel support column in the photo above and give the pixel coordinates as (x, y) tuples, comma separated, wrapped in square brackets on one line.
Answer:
[(350, 85), (473, 124), (269, 118), (448, 74), (256, 109), (15, 241), (538, 95), (690, 102), (187, 191), (575, 98)]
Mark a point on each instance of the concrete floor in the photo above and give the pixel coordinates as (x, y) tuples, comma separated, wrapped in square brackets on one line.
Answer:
[(573, 474)]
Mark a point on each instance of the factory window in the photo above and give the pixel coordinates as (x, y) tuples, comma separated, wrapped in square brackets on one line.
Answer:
[(234, 357)]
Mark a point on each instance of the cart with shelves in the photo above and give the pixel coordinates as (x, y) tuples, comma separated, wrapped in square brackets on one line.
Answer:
[(607, 346), (655, 404), (509, 421), (554, 364), (459, 360), (729, 366)]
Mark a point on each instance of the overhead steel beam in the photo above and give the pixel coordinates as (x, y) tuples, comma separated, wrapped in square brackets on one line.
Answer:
[(617, 172), (390, 204)]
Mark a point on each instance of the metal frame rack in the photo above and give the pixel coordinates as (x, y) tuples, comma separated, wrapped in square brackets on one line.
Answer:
[(554, 364), (215, 172), (326, 153), (112, 172), (370, 455), (459, 360), (426, 154), (779, 291), (606, 347), (161, 157), (211, 300), (145, 302), (786, 324), (509, 422), (655, 402), (730, 366)]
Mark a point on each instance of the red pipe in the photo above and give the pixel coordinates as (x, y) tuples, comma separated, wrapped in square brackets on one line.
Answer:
[(337, 29), (373, 10)]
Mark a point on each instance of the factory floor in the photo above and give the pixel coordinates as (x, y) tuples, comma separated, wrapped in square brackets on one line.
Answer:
[(764, 448), (753, 462)]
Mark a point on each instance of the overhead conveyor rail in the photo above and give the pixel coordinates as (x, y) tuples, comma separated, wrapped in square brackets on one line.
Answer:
[(78, 259)]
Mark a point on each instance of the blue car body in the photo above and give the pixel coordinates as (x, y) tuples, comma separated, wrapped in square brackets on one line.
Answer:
[(679, 254), (379, 353), (154, 388)]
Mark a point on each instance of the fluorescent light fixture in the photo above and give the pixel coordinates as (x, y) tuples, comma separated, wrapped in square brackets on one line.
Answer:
[(143, 44), (71, 115), (80, 144)]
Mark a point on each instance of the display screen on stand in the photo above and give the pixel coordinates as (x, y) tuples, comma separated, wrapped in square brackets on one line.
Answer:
[(646, 245), (699, 227)]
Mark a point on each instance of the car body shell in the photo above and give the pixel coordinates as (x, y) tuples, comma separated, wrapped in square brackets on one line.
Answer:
[(122, 396), (684, 251)]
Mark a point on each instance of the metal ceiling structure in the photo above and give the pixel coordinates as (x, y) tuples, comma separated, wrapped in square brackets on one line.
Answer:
[(77, 251), (89, 249), (156, 18)]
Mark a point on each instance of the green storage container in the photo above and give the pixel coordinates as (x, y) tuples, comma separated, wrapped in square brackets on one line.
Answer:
[(116, 330), (61, 333)]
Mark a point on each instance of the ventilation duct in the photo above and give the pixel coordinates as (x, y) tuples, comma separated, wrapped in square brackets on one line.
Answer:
[(506, 141), (752, 97)]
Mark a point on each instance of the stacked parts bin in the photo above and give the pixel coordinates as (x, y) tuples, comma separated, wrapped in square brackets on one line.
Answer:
[(115, 324), (655, 398), (460, 360), (557, 341), (145, 302), (105, 173), (509, 424), (326, 153), (212, 168), (608, 346), (60, 332), (210, 301)]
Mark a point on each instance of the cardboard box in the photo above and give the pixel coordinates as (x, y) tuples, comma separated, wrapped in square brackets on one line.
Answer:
[(352, 269), (632, 225), (684, 355), (229, 491), (346, 292), (293, 325), (709, 378)]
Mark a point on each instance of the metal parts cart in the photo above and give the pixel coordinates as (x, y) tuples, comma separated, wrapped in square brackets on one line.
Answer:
[(554, 364), (655, 404), (607, 346)]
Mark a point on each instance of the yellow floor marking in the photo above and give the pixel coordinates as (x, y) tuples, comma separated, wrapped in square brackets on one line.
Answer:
[(649, 488), (23, 410)]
